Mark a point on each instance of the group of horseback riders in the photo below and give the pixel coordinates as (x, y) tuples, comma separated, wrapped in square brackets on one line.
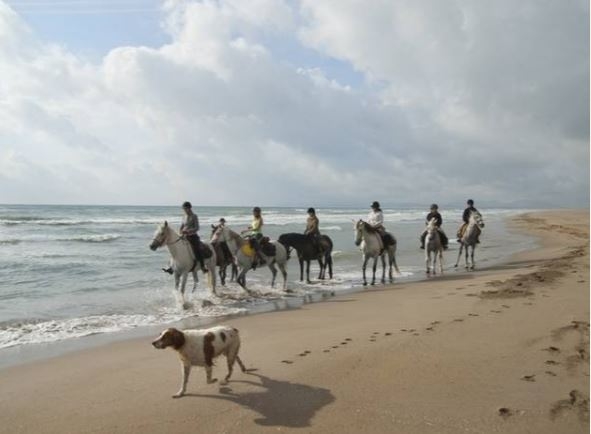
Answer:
[(190, 228)]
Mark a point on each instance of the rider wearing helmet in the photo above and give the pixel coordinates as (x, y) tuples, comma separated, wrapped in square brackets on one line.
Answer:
[(375, 218), (312, 228), (466, 218), (255, 233), (438, 222), (189, 228)]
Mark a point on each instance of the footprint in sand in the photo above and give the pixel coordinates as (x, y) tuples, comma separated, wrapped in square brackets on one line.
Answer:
[(458, 319), (506, 306), (326, 351), (505, 412), (388, 334), (530, 378), (473, 314), (551, 362), (552, 374), (552, 349), (496, 311), (348, 339), (335, 346), (289, 362)]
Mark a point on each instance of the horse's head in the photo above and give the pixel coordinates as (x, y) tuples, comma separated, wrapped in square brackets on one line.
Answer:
[(476, 219), (432, 225), (359, 228), (160, 236)]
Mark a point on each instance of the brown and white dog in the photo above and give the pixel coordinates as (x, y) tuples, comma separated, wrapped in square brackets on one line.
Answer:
[(200, 347)]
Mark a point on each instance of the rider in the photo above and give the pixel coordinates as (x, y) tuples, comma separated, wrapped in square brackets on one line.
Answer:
[(376, 220), (224, 246), (466, 218), (312, 228), (438, 222), (189, 228), (255, 233)]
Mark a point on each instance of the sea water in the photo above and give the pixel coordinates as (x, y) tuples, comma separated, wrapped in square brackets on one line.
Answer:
[(69, 272)]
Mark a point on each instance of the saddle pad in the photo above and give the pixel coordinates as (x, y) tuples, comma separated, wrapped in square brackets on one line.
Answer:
[(268, 249), (205, 251), (247, 250)]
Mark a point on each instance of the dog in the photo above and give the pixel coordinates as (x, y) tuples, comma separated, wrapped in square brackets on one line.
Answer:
[(199, 348)]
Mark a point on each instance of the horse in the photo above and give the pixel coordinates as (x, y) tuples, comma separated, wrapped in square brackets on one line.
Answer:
[(469, 238), (433, 247), (245, 256), (370, 244), (183, 258), (222, 260), (307, 251)]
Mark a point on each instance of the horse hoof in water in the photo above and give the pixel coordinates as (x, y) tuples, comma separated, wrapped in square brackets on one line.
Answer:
[(187, 305)]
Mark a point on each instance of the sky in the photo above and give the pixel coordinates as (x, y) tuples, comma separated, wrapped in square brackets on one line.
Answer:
[(295, 102)]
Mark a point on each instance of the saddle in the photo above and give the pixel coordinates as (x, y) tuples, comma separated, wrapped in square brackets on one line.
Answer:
[(388, 239), (267, 247), (205, 251)]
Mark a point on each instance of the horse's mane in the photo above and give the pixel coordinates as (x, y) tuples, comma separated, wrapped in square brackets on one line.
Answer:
[(369, 228)]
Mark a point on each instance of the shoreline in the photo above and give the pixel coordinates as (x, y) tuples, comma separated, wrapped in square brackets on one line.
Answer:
[(37, 352), (500, 349)]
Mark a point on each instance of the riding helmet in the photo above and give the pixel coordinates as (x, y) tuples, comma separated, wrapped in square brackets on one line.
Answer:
[(434, 206), (470, 202), (187, 205), (256, 209), (375, 204), (311, 210)]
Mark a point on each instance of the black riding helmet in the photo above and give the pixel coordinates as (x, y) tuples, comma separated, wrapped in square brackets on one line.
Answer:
[(187, 205), (434, 206), (311, 210), (470, 202), (375, 205), (256, 209)]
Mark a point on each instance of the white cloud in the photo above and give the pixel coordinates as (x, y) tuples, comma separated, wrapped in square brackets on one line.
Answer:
[(460, 99)]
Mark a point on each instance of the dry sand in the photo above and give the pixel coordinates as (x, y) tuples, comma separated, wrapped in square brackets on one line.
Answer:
[(498, 350)]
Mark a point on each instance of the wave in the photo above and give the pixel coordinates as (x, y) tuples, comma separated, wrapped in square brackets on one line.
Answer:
[(101, 238)]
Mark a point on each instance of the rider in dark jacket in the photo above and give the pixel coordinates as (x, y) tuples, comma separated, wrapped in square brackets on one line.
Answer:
[(466, 218), (438, 222)]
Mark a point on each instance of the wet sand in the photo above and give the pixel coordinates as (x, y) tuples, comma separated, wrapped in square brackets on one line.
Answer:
[(504, 349)]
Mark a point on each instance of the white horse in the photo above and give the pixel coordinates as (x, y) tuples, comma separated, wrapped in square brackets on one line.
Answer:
[(183, 259), (433, 248), (468, 240), (245, 255), (370, 244)]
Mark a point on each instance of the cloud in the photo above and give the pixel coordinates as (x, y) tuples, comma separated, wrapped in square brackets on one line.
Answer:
[(457, 100)]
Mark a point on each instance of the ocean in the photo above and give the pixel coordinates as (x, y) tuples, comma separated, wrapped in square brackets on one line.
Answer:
[(71, 273)]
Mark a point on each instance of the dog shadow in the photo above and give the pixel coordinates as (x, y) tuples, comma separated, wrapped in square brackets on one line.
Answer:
[(280, 403)]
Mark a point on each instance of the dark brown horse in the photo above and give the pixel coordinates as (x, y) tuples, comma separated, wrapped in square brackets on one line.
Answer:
[(224, 258), (309, 250)]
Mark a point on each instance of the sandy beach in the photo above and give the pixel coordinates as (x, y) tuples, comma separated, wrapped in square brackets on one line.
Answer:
[(503, 349)]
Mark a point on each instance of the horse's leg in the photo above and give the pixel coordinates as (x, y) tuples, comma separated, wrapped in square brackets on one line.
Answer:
[(271, 265), (363, 267), (308, 271), (284, 273), (211, 275), (195, 280), (472, 265), (375, 267), (322, 266), (383, 257), (459, 255), (183, 284), (329, 263), (466, 265), (441, 260), (427, 259), (301, 261), (390, 276)]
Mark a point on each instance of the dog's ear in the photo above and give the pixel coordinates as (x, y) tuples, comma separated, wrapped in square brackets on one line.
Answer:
[(174, 338)]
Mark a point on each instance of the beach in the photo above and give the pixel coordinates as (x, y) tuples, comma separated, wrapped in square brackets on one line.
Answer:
[(502, 349)]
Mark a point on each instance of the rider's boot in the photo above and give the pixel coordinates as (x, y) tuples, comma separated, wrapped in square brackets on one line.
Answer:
[(168, 270)]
